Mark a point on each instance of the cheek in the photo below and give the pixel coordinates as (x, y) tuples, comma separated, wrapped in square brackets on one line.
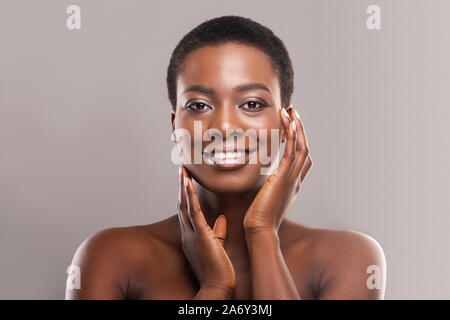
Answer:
[(183, 140), (270, 133)]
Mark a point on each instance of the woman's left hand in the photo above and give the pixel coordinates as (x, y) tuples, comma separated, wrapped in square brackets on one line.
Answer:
[(276, 195)]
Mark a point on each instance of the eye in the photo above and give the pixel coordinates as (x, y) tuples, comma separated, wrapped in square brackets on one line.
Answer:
[(198, 107), (253, 106)]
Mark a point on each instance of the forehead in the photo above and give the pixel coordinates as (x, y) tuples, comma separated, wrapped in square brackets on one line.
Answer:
[(226, 66)]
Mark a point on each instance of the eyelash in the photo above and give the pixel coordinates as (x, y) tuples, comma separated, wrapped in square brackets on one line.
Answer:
[(262, 105)]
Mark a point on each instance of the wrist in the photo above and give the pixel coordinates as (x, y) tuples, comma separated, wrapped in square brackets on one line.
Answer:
[(262, 239), (259, 230)]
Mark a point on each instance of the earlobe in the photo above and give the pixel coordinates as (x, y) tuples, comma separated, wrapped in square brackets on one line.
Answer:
[(174, 138), (172, 120)]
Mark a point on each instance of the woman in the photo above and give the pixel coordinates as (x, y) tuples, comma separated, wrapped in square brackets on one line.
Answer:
[(230, 238)]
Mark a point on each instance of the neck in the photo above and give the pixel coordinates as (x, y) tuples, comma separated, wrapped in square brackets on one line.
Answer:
[(233, 206)]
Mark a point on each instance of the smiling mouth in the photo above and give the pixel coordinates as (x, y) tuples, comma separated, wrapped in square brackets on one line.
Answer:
[(227, 158)]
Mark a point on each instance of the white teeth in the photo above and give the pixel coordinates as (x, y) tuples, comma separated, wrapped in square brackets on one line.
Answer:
[(229, 155)]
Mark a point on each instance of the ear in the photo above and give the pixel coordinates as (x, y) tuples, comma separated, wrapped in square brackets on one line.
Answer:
[(172, 116)]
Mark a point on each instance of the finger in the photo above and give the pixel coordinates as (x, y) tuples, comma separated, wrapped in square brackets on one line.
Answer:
[(180, 203), (302, 149), (289, 153), (182, 211), (305, 170), (285, 119), (220, 228), (180, 214), (186, 198), (194, 211)]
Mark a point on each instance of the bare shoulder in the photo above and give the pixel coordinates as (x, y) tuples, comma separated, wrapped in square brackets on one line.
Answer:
[(343, 244), (108, 258), (352, 264)]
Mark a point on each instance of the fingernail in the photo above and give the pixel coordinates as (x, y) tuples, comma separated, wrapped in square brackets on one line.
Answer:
[(294, 126), (285, 113), (297, 115)]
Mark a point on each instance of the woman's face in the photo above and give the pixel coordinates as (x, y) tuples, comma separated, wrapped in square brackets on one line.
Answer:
[(213, 99)]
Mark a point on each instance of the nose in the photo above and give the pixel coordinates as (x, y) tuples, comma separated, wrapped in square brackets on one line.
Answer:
[(226, 120)]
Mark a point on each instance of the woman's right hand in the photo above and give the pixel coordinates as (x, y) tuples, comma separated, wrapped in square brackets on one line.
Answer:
[(203, 246)]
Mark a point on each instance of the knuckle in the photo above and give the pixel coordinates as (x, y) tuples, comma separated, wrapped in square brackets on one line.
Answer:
[(292, 180), (203, 231), (195, 211), (291, 137), (302, 149), (290, 155), (275, 177)]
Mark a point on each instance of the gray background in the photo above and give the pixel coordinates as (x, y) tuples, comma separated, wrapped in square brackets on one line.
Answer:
[(85, 131)]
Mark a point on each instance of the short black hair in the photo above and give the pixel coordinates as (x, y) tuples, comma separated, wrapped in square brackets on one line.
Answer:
[(239, 30)]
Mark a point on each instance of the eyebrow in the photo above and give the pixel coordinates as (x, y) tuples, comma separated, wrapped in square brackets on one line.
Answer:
[(239, 88)]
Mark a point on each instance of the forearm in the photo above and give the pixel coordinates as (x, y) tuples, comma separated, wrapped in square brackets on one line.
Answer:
[(214, 293), (271, 278)]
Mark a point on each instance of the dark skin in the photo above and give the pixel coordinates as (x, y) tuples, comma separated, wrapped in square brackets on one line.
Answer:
[(230, 238)]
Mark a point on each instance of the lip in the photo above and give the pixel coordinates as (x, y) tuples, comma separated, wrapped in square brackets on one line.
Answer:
[(228, 163), (226, 148)]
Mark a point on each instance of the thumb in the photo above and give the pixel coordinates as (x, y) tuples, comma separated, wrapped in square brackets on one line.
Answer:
[(220, 228)]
